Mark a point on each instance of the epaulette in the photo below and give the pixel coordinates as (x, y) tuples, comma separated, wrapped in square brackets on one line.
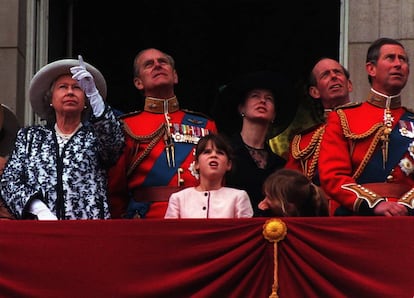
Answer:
[(126, 115), (348, 105), (197, 113)]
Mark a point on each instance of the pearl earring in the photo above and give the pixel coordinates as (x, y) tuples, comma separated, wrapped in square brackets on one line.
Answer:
[(242, 114)]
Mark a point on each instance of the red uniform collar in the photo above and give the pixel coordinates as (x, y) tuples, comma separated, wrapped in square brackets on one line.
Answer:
[(380, 100), (161, 106)]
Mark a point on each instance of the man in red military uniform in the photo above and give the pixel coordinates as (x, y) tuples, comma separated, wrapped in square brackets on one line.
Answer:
[(366, 161), (159, 143), (329, 82)]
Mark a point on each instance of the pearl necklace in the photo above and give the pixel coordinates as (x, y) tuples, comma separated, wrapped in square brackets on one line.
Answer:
[(63, 138)]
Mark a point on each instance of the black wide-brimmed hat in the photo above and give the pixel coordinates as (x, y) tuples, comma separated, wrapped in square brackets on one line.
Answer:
[(225, 111), (9, 125)]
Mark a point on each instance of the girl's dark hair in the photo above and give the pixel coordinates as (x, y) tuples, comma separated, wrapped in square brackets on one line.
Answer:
[(218, 140)]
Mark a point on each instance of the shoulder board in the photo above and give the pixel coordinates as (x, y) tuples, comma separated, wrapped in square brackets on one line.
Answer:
[(348, 105), (197, 113), (126, 115)]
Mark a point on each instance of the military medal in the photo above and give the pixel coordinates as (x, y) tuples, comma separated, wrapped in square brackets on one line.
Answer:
[(406, 129), (183, 133)]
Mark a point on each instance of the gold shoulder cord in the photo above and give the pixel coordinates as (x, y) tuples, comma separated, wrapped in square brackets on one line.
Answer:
[(377, 129), (152, 139), (313, 149)]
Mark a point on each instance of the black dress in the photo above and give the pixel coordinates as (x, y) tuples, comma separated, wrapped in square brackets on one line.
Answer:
[(245, 173)]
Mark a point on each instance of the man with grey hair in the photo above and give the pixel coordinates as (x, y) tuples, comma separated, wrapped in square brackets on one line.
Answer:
[(160, 141)]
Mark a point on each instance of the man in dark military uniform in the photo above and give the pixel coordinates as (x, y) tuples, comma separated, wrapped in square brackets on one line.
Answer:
[(160, 141)]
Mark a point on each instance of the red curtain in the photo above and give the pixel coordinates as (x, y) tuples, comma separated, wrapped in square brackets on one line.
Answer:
[(319, 257)]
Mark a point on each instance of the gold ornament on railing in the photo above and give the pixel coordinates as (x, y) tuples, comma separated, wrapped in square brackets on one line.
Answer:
[(274, 230)]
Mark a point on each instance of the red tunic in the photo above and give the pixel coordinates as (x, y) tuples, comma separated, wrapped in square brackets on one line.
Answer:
[(352, 137), (144, 161)]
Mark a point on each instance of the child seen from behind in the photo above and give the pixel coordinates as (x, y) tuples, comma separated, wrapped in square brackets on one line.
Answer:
[(290, 193)]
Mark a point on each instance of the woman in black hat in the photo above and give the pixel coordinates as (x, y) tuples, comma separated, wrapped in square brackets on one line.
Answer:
[(251, 110)]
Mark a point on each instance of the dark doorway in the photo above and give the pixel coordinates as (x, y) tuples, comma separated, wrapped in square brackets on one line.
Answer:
[(211, 41)]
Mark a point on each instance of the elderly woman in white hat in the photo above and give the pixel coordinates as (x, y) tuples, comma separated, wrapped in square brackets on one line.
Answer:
[(58, 170)]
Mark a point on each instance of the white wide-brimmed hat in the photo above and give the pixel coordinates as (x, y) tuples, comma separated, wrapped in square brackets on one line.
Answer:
[(43, 79)]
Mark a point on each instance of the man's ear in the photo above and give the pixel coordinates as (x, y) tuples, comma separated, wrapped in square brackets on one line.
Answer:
[(138, 83), (371, 69), (350, 87), (175, 77), (314, 92)]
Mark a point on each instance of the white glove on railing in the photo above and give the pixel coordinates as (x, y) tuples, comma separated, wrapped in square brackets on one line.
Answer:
[(87, 83), (40, 209)]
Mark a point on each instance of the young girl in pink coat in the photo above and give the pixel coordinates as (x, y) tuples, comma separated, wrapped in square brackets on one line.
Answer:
[(210, 199)]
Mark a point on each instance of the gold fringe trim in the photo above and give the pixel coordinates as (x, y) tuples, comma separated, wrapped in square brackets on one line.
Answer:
[(274, 230)]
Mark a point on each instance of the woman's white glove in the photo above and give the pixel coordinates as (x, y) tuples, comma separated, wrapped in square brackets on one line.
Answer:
[(38, 208), (87, 83)]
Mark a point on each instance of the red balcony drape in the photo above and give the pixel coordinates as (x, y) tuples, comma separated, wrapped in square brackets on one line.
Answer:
[(319, 257)]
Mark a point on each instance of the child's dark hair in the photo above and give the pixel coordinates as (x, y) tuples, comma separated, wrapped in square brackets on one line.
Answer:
[(218, 140), (293, 188)]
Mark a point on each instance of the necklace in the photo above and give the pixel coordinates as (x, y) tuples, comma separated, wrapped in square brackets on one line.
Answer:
[(63, 138), (66, 136)]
